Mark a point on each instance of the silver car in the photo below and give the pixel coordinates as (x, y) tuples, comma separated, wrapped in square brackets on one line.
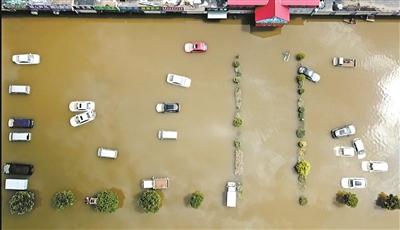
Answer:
[(309, 73), (344, 131)]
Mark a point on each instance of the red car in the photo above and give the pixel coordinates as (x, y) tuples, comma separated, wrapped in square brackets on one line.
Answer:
[(195, 47)]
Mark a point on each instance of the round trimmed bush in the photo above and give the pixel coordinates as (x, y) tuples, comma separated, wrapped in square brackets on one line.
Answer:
[(300, 56), (300, 132), (63, 200), (196, 199), (236, 80), (300, 91), (107, 201), (302, 144), (22, 202), (300, 78), (236, 63), (303, 200), (236, 143), (351, 199), (301, 109), (237, 121), (303, 167), (150, 201)]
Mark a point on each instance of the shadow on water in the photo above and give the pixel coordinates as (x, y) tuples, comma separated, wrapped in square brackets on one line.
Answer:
[(186, 200), (121, 196)]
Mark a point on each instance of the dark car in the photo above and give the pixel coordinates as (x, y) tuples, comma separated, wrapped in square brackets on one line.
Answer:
[(20, 123), (18, 169), (168, 107)]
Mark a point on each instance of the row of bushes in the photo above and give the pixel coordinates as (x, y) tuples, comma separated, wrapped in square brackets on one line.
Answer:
[(22, 202), (302, 167)]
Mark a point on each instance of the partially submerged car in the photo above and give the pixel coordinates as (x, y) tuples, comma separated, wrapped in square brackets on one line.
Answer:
[(20, 123), (19, 89), (156, 183), (309, 73), (168, 107), (107, 153), (175, 79), (26, 59), (18, 169), (195, 47), (91, 200), (353, 182), (81, 106), (231, 194), (345, 151), (359, 147), (82, 118), (167, 135), (344, 62), (374, 166), (344, 131), (16, 184), (19, 136)]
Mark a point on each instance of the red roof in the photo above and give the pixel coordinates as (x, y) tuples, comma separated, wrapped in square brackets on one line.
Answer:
[(273, 10), (247, 2), (299, 2)]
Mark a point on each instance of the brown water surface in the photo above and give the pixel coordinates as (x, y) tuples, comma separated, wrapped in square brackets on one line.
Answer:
[(121, 64)]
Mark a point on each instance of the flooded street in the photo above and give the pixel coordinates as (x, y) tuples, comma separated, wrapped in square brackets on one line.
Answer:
[(121, 64)]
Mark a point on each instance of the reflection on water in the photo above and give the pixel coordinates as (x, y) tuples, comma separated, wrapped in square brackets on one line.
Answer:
[(121, 64)]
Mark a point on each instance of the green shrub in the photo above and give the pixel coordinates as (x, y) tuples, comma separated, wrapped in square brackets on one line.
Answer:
[(237, 121), (303, 200), (22, 202), (196, 199), (236, 80), (238, 74), (236, 63), (303, 167), (107, 201), (300, 91), (300, 132), (390, 202), (300, 56), (300, 78), (301, 109), (150, 201), (302, 144), (300, 116), (236, 143), (347, 198), (63, 199)]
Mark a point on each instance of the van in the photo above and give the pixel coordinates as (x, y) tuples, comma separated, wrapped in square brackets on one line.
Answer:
[(14, 136), (19, 89), (167, 135), (107, 153), (16, 184)]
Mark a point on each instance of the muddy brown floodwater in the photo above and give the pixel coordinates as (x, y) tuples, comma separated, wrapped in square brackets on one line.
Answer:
[(121, 64)]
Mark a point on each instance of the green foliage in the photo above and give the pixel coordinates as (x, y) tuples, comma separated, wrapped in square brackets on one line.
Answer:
[(150, 201), (347, 198), (196, 199), (236, 80), (239, 189), (236, 63), (300, 132), (300, 116), (107, 201), (301, 109), (300, 56), (389, 202), (302, 144), (63, 199), (300, 78), (22, 202), (300, 91), (303, 167), (236, 143), (303, 200), (237, 121), (238, 74)]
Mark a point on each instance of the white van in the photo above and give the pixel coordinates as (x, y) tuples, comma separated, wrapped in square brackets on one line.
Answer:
[(13, 136), (19, 89), (16, 184), (107, 153), (167, 135)]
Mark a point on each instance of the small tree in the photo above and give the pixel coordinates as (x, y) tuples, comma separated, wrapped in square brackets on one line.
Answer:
[(347, 198), (22, 202), (303, 200), (390, 202), (237, 121), (196, 199), (303, 167), (63, 199), (150, 201), (300, 56), (300, 91), (300, 132), (107, 201)]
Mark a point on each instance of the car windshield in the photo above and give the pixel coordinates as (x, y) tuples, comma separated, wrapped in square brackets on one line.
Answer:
[(169, 106), (357, 183)]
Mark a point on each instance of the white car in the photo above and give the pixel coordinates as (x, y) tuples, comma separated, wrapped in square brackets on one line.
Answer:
[(168, 107), (82, 118), (353, 182), (19, 89), (345, 151), (374, 166), (81, 106), (344, 131), (178, 80), (359, 147), (26, 59), (309, 73)]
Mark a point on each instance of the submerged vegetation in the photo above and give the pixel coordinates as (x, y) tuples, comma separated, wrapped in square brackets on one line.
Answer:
[(22, 202), (107, 201), (196, 199), (237, 119), (62, 200), (303, 200), (150, 201)]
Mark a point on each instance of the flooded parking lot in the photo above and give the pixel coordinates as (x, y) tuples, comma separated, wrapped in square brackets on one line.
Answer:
[(121, 64)]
